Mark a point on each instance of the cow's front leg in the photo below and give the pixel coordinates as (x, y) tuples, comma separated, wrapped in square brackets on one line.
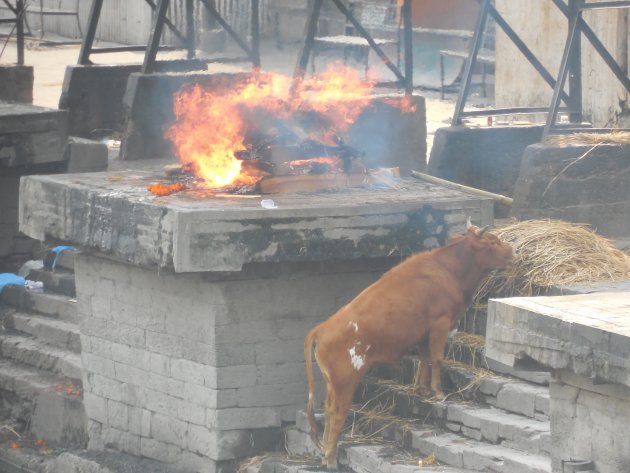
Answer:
[(437, 342)]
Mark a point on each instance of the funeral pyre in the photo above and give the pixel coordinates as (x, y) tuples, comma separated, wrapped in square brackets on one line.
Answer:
[(269, 134)]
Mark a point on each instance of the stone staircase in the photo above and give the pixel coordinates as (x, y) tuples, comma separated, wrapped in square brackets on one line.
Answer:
[(488, 423), (41, 400)]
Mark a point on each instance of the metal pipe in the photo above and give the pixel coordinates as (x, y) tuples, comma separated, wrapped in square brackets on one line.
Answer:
[(255, 33), (190, 30), (19, 24), (88, 40), (408, 36), (454, 185), (307, 48), (154, 40)]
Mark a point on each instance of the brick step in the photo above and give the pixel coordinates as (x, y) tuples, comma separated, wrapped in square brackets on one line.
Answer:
[(60, 282), (462, 452), (55, 305), (35, 353), (55, 332), (362, 458), (464, 382), (499, 427), (50, 405), (423, 441)]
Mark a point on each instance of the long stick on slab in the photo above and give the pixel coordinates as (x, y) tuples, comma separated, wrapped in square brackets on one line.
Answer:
[(473, 190)]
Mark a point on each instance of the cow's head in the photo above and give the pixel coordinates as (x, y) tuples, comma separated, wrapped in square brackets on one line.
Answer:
[(490, 252)]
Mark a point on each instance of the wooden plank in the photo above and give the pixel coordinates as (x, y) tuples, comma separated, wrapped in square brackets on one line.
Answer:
[(311, 182)]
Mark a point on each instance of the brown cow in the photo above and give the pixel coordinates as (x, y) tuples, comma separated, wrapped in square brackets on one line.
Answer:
[(420, 300)]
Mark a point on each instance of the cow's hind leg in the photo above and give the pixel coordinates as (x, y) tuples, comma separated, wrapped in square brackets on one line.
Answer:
[(437, 342), (337, 414), (422, 379)]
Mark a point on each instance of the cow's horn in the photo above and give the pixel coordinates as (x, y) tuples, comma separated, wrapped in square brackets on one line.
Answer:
[(484, 230), (469, 224)]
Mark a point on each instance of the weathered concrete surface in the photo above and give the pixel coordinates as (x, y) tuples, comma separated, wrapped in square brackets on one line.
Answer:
[(93, 95), (17, 83), (147, 108), (31, 135), (488, 158), (114, 214), (588, 334), (585, 340), (594, 189), (86, 155)]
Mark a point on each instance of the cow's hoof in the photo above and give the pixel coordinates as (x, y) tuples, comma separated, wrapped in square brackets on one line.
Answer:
[(424, 391), (438, 396), (332, 466)]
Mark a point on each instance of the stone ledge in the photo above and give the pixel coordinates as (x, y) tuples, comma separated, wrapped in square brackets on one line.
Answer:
[(587, 334), (115, 215)]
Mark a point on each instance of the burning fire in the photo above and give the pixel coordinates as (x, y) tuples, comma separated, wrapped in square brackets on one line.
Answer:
[(213, 126)]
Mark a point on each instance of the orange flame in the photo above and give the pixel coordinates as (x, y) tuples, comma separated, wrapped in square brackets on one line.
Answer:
[(211, 126)]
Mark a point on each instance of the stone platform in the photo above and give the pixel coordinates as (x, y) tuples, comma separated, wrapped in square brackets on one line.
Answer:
[(194, 307), (585, 341)]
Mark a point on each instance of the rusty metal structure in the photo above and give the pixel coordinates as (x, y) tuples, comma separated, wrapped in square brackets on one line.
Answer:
[(187, 38), (403, 80), (18, 10), (570, 66)]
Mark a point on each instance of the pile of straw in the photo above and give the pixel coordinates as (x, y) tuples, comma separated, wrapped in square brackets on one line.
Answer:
[(550, 253), (585, 138)]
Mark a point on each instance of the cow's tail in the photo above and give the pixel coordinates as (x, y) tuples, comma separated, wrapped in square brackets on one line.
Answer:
[(310, 406)]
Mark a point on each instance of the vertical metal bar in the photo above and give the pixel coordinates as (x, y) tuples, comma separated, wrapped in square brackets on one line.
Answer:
[(377, 49), (564, 70), (475, 46), (190, 29), (522, 47), (408, 34), (598, 45), (154, 39), (19, 19), (228, 29), (88, 40), (255, 32), (41, 17), (575, 72), (307, 47)]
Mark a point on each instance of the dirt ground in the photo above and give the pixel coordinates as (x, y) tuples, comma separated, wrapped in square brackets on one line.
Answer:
[(50, 62)]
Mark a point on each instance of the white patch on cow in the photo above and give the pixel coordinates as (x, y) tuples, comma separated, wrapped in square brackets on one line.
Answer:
[(357, 360), (355, 325), (368, 347), (452, 332), (310, 396)]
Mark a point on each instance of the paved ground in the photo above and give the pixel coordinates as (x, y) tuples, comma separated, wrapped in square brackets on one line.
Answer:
[(50, 63)]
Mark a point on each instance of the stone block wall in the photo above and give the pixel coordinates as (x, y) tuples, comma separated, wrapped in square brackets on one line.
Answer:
[(596, 417), (199, 369), (11, 240)]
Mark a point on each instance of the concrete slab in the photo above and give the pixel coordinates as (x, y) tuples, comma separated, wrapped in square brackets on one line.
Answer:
[(588, 334), (194, 231)]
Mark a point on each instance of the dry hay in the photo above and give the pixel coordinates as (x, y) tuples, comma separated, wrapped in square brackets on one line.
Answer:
[(585, 138), (551, 253)]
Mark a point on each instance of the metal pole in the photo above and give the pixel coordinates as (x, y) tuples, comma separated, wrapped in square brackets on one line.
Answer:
[(475, 46), (19, 19), (598, 45), (307, 47), (217, 16), (564, 70), (377, 49), (522, 47), (408, 34), (255, 32), (154, 40), (575, 72), (190, 29), (88, 40)]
